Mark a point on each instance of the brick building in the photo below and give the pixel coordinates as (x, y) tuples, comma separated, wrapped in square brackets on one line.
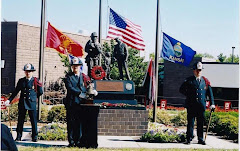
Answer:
[(20, 45)]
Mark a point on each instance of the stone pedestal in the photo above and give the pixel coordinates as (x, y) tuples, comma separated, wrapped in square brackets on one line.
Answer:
[(115, 91)]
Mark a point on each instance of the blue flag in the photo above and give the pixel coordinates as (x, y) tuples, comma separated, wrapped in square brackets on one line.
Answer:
[(176, 52)]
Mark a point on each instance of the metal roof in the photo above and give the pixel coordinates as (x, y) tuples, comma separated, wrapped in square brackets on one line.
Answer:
[(222, 75)]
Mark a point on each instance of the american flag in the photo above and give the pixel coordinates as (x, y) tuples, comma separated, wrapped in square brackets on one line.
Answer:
[(127, 31)]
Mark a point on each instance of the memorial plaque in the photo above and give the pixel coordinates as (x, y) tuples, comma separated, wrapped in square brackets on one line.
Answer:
[(115, 86)]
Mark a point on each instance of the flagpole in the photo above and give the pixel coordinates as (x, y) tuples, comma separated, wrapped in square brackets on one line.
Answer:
[(100, 28), (41, 55), (156, 62)]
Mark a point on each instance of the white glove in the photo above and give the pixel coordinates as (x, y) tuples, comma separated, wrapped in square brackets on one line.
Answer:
[(82, 95), (95, 92), (7, 103), (212, 107)]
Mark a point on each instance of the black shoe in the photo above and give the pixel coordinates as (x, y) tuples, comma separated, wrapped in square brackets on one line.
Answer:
[(191, 138), (77, 145), (201, 142), (70, 145), (187, 142), (18, 139), (34, 140)]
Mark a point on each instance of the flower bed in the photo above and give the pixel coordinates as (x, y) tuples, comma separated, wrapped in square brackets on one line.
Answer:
[(53, 131), (106, 105), (159, 133)]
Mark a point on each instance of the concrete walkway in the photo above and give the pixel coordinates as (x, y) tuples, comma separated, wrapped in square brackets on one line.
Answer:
[(213, 142)]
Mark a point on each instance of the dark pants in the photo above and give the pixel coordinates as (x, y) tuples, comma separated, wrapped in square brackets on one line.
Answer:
[(74, 125), (191, 115), (33, 118), (122, 63), (91, 62)]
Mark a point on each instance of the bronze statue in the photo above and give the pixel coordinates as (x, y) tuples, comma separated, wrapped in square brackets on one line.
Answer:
[(93, 48), (107, 64), (121, 54)]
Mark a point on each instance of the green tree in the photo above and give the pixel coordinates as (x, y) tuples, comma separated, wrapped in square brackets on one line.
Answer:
[(152, 56), (221, 57), (235, 59), (205, 55), (65, 60)]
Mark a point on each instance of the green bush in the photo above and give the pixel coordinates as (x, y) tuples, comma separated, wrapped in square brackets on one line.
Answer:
[(13, 113), (162, 116), (57, 114), (224, 124), (44, 113), (53, 132), (163, 137), (180, 119)]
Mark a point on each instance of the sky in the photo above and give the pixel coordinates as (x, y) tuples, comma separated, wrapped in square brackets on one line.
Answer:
[(207, 26)]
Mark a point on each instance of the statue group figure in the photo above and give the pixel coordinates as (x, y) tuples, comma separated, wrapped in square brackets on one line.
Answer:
[(93, 48), (120, 54)]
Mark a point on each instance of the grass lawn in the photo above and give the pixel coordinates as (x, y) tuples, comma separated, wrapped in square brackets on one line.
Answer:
[(110, 149)]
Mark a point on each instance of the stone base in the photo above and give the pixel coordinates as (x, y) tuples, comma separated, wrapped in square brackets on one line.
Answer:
[(115, 91), (122, 122)]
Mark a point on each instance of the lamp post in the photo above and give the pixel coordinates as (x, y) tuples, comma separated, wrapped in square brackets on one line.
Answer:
[(232, 53)]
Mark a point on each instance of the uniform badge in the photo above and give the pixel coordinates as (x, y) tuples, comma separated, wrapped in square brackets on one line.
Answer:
[(28, 67), (75, 60), (199, 65)]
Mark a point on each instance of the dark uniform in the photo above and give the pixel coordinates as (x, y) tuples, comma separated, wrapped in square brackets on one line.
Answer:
[(27, 102), (196, 92), (121, 54), (94, 50), (7, 142), (107, 64), (75, 86)]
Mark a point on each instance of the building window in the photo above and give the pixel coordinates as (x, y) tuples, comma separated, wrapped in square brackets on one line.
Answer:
[(4, 81)]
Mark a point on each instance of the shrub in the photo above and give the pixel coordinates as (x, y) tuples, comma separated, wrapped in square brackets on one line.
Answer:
[(180, 119), (53, 132), (224, 124), (57, 114), (159, 133), (162, 116), (163, 137), (44, 113), (13, 113)]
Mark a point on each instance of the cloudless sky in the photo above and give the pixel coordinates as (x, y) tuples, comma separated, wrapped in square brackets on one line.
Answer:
[(210, 26)]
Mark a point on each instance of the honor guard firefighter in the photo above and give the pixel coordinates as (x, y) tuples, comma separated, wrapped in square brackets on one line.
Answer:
[(31, 89), (196, 88)]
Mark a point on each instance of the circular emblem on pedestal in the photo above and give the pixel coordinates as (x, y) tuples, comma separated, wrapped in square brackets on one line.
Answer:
[(129, 86)]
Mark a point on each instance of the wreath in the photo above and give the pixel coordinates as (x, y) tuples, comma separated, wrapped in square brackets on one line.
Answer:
[(98, 73)]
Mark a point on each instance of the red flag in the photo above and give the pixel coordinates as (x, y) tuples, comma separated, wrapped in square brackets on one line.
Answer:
[(149, 81), (130, 33), (62, 43)]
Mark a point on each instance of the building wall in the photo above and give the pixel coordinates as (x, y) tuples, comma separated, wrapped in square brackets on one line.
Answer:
[(8, 53), (174, 76), (22, 47)]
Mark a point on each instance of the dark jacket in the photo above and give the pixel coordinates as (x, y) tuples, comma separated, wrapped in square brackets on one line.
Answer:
[(196, 93), (93, 49), (74, 88), (120, 51), (28, 95), (7, 142)]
